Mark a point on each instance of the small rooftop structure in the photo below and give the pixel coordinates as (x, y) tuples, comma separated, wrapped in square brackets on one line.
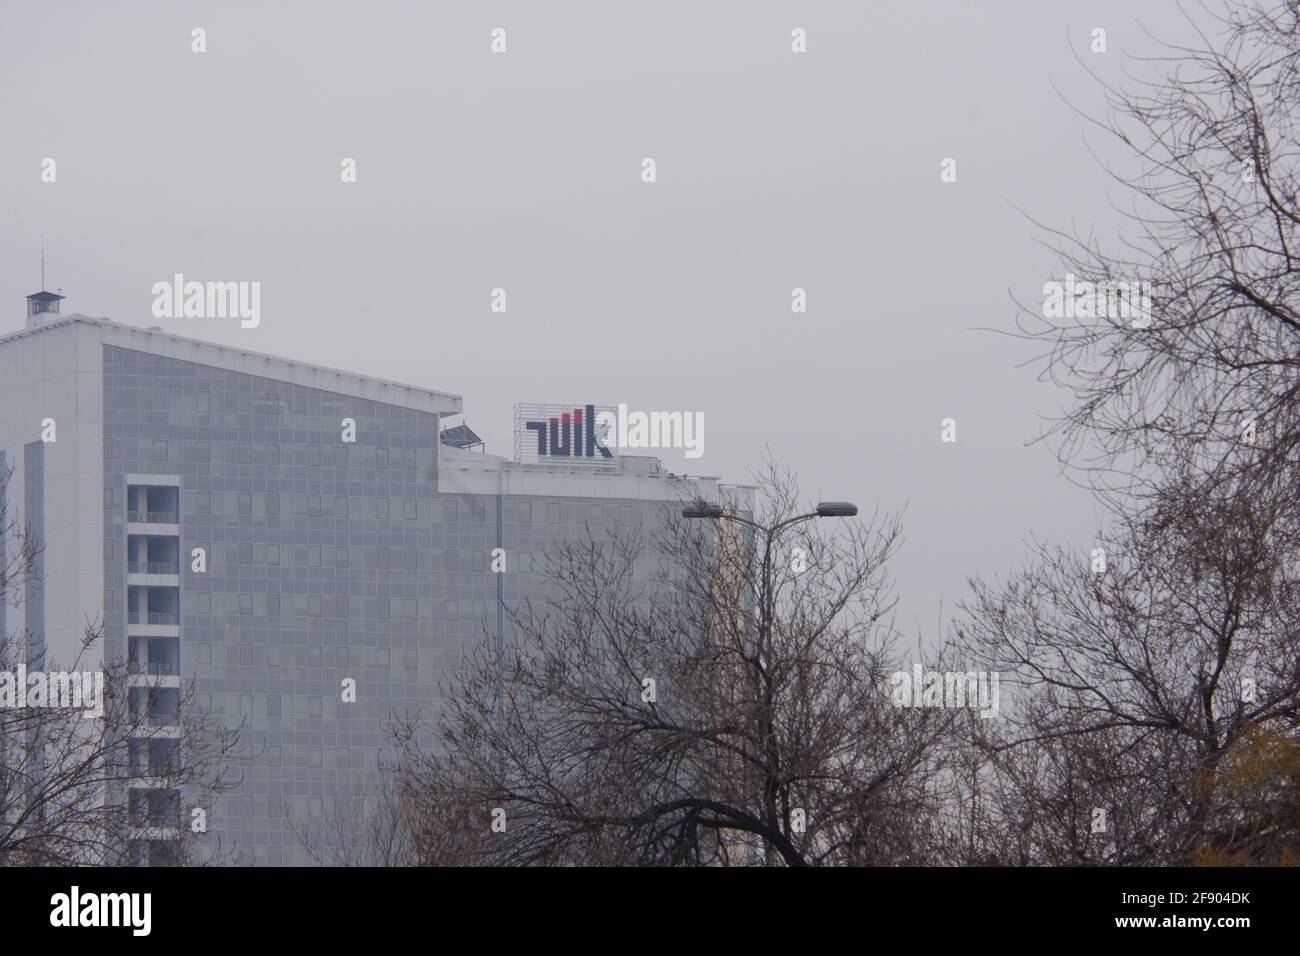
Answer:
[(43, 304)]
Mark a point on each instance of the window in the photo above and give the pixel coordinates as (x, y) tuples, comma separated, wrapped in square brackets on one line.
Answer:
[(313, 506), (341, 607), (552, 512), (203, 451), (381, 457), (245, 453), (480, 511), (204, 403), (313, 556), (341, 506), (480, 561), (410, 609), (273, 605), (273, 454), (273, 504), (452, 560), (408, 509), (245, 503), (411, 560), (159, 449), (273, 554), (313, 605), (313, 456), (525, 512), (202, 502), (314, 707), (246, 705), (381, 508), (273, 705), (340, 456), (453, 611), (205, 602), (381, 559), (451, 510), (341, 556)]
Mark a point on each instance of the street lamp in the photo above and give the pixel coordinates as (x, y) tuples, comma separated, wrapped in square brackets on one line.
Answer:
[(766, 597), (826, 509)]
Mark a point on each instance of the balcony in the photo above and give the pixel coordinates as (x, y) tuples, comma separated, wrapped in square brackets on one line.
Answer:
[(153, 560), (155, 706), (152, 517), (155, 668), (153, 763), (151, 567), (169, 618), (152, 608), (152, 510)]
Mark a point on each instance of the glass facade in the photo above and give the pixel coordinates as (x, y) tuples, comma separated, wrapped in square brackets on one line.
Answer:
[(324, 560)]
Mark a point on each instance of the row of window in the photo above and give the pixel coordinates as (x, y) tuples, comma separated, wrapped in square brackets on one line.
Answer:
[(314, 656), (268, 453), (338, 606), (247, 555), (383, 508), (160, 392)]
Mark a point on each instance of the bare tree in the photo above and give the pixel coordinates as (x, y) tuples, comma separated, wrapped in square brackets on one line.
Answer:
[(1141, 668), (734, 711), (1208, 161), (1144, 688)]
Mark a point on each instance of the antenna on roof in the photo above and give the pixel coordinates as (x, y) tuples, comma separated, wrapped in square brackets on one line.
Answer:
[(42, 307)]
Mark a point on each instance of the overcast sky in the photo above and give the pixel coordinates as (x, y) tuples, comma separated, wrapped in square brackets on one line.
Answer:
[(522, 170)]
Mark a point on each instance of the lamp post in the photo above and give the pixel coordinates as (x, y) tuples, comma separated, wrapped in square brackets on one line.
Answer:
[(826, 509), (715, 512)]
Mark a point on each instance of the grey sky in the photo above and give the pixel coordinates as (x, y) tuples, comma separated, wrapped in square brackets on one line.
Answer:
[(522, 170)]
